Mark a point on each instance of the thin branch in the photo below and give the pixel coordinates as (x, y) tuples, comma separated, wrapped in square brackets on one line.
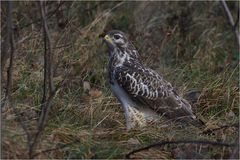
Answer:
[(41, 125), (12, 50), (8, 96), (237, 21), (229, 15), (45, 113), (231, 21), (49, 91), (48, 16), (159, 144), (45, 89), (48, 71), (48, 47), (5, 45)]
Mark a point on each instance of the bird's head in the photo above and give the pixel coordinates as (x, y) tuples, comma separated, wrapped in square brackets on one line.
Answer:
[(117, 40)]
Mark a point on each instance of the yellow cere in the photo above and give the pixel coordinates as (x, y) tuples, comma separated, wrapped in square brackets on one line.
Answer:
[(107, 38)]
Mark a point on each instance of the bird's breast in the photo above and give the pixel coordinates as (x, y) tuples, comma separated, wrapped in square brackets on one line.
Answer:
[(121, 95)]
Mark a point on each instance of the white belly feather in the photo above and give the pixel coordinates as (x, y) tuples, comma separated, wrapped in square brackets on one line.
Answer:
[(129, 106)]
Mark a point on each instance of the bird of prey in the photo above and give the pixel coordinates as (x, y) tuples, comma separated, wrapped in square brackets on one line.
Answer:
[(143, 93)]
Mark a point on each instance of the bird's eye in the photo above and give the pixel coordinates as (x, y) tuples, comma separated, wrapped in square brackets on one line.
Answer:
[(116, 36)]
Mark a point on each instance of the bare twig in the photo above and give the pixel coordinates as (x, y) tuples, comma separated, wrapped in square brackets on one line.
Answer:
[(9, 40), (231, 21), (48, 92), (237, 21), (48, 71), (41, 124), (48, 47), (48, 95), (5, 46), (45, 112), (47, 17), (45, 89), (8, 96), (159, 144)]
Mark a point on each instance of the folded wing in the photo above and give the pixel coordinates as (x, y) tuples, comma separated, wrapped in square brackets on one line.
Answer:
[(147, 88)]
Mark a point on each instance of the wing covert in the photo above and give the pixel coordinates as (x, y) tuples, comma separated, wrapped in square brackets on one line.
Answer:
[(142, 83)]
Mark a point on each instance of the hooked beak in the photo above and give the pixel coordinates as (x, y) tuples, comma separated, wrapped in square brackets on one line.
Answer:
[(106, 38)]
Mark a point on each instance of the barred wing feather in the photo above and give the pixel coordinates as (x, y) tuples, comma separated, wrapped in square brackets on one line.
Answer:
[(147, 88)]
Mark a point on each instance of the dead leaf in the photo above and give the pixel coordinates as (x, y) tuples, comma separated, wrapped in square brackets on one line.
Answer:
[(94, 93)]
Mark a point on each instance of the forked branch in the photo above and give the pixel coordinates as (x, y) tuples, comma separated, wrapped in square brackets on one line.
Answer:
[(233, 24), (48, 87)]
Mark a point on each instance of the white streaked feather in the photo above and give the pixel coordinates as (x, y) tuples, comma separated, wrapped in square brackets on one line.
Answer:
[(131, 108)]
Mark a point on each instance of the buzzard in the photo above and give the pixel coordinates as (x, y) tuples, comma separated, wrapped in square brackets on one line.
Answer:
[(143, 93)]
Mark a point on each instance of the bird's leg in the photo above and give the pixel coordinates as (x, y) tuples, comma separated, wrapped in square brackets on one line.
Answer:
[(127, 117), (134, 118)]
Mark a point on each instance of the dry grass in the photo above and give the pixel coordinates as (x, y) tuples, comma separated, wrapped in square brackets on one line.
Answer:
[(91, 120)]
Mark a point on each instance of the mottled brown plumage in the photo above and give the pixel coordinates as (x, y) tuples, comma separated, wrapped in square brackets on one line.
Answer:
[(142, 92)]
